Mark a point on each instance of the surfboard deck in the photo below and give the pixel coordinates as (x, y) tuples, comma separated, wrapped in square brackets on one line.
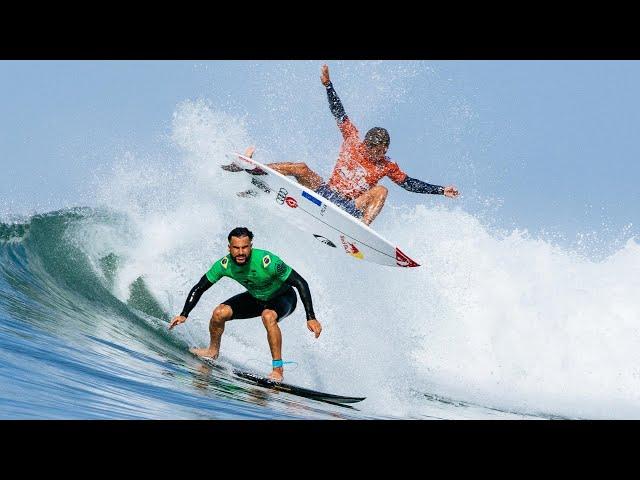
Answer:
[(295, 390), (312, 213)]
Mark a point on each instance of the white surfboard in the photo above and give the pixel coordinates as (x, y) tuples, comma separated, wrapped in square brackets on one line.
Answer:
[(313, 213)]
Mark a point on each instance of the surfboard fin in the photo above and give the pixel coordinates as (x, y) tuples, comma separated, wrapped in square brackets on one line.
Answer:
[(232, 167), (255, 171)]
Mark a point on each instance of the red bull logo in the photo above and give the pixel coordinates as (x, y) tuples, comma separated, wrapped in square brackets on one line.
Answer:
[(350, 248)]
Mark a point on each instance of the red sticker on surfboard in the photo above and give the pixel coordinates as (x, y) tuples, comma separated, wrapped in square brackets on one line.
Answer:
[(403, 261), (350, 248), (291, 202)]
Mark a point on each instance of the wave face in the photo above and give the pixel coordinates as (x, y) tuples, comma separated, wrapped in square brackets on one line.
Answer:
[(493, 325)]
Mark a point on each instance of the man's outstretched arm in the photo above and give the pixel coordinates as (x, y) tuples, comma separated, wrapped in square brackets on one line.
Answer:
[(418, 186), (192, 299), (300, 284), (335, 105)]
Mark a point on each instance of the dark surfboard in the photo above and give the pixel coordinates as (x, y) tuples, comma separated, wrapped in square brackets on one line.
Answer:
[(292, 389)]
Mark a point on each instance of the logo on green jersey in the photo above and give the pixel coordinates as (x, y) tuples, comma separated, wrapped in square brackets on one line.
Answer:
[(266, 260), (224, 262)]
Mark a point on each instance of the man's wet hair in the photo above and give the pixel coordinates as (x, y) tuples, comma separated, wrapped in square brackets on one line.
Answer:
[(377, 136), (240, 232)]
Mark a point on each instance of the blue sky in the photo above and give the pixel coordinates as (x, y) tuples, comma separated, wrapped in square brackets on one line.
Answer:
[(538, 145)]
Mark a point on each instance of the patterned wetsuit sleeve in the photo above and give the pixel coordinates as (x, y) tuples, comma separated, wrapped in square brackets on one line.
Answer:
[(347, 128), (418, 186), (295, 280), (335, 105), (194, 295)]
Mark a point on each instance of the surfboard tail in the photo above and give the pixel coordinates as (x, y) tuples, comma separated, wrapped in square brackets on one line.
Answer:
[(402, 260)]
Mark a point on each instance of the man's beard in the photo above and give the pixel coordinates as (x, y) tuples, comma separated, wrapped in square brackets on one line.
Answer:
[(246, 260)]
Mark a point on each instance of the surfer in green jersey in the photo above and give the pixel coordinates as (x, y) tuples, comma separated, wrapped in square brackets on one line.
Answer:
[(269, 282)]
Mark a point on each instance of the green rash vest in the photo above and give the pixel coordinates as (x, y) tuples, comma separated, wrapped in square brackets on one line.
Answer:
[(263, 275)]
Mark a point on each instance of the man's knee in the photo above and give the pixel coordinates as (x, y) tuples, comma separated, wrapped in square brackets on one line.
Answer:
[(376, 196), (381, 192), (221, 313), (269, 318)]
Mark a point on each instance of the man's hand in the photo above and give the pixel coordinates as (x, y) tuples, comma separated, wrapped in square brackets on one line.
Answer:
[(177, 321), (324, 75), (314, 326), (451, 191)]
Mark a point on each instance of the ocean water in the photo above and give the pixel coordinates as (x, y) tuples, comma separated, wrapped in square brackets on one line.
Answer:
[(495, 324)]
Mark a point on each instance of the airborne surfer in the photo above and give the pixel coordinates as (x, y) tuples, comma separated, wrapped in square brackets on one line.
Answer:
[(353, 184)]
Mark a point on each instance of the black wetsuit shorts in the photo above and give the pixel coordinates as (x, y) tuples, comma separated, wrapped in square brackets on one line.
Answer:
[(244, 305)]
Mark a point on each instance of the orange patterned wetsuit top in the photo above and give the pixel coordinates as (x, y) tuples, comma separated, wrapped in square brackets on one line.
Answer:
[(355, 173)]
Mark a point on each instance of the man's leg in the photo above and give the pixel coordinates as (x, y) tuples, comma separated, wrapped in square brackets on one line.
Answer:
[(274, 337), (302, 173), (371, 203), (276, 309), (242, 305), (220, 315)]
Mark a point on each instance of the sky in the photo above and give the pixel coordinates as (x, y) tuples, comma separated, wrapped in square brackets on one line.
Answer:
[(550, 147)]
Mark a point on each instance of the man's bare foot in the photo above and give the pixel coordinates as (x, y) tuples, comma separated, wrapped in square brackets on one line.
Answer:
[(204, 352), (232, 167), (249, 151), (276, 375)]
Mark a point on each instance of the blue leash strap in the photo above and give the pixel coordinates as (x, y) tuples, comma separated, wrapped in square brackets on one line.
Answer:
[(279, 363)]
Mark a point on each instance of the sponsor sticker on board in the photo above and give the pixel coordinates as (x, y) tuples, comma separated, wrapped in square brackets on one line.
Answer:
[(292, 202)]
